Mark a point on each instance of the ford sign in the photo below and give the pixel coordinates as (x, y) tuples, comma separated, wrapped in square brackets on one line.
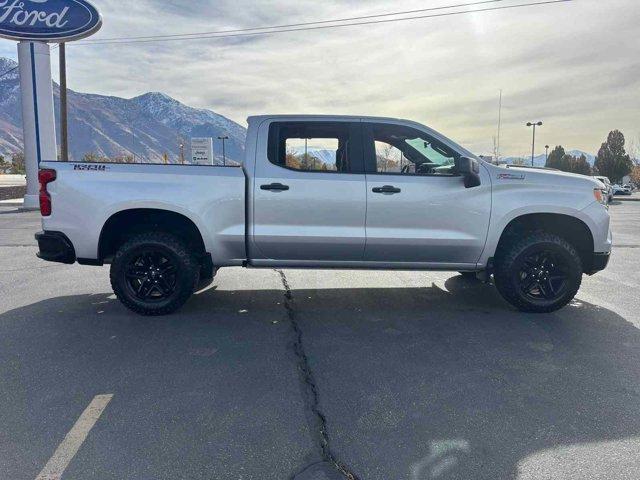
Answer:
[(48, 20)]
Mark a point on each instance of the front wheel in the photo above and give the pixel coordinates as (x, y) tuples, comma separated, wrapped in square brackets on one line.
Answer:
[(540, 273), (154, 273)]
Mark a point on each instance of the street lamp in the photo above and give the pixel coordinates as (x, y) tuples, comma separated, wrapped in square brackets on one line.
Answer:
[(533, 146), (224, 153)]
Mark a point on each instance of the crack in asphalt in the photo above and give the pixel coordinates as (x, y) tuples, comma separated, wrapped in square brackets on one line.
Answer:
[(310, 386)]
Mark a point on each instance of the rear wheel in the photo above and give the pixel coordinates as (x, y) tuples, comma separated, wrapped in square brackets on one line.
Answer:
[(540, 273), (154, 273)]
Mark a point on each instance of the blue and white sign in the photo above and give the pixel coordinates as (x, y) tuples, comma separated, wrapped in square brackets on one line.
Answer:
[(48, 20)]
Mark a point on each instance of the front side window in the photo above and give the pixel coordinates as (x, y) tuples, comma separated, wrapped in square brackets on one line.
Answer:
[(404, 150), (312, 146)]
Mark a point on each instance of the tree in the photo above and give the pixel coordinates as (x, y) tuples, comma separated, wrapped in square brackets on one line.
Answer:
[(17, 159), (555, 158), (635, 174), (633, 149), (4, 165), (91, 157), (561, 160), (120, 159), (580, 165), (612, 160)]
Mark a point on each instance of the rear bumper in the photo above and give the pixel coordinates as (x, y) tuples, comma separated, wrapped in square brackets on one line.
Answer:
[(55, 247), (599, 262)]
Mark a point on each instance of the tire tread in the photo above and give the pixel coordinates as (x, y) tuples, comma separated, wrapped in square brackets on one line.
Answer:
[(189, 260), (512, 250)]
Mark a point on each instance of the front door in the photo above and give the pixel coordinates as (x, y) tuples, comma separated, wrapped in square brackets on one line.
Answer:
[(310, 193), (419, 210)]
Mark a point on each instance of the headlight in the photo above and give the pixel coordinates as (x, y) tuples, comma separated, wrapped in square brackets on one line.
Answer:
[(600, 195)]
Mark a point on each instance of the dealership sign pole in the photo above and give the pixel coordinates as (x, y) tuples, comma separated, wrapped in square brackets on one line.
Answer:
[(35, 24)]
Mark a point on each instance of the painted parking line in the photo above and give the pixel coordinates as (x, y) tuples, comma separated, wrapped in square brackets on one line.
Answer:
[(72, 442)]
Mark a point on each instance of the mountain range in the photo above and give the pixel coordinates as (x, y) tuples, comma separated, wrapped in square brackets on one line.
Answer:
[(145, 127)]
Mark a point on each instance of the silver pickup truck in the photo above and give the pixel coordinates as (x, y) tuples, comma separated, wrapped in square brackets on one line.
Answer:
[(327, 192)]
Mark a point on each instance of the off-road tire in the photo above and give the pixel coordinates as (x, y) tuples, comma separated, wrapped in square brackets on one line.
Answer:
[(509, 261), (186, 277)]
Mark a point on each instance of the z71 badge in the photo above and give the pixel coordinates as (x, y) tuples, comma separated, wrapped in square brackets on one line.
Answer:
[(90, 168)]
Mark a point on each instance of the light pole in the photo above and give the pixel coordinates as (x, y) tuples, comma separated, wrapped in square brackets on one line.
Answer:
[(224, 152), (533, 145)]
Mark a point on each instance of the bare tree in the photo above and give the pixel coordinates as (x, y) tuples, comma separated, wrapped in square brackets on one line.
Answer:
[(633, 148)]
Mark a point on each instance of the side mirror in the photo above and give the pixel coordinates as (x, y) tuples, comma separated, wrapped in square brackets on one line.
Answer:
[(469, 168)]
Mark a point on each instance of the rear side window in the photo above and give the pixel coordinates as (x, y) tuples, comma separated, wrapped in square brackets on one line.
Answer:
[(325, 147)]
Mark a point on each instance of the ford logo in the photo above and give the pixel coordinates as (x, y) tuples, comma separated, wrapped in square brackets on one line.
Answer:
[(48, 20)]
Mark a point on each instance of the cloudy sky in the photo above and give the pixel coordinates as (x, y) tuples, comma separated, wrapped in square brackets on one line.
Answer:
[(574, 65)]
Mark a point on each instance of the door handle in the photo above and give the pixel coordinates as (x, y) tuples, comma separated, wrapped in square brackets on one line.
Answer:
[(387, 189), (275, 187)]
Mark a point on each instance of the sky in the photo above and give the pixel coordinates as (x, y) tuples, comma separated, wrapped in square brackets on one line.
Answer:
[(575, 66)]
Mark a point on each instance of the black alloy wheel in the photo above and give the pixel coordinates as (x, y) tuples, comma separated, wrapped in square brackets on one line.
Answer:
[(151, 275), (544, 276)]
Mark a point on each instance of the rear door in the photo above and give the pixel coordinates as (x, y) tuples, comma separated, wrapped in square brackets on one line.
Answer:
[(309, 192), (419, 210)]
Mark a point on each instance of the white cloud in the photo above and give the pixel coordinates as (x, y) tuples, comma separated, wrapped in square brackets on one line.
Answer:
[(573, 65)]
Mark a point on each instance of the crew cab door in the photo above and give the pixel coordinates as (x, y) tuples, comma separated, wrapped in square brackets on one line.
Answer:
[(419, 210), (309, 193)]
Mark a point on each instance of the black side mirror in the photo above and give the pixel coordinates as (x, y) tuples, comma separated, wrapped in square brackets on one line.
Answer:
[(469, 168)]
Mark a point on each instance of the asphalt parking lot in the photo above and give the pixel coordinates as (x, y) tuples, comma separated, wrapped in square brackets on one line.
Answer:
[(275, 375)]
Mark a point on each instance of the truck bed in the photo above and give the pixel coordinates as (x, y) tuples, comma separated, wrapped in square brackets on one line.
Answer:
[(212, 197)]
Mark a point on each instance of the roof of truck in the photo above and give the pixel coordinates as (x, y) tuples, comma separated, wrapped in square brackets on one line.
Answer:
[(258, 119), (308, 116)]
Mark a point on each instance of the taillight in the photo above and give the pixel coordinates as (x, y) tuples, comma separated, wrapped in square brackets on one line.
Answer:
[(45, 176)]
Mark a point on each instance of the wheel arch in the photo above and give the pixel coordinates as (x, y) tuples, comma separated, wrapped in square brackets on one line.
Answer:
[(126, 222), (571, 228)]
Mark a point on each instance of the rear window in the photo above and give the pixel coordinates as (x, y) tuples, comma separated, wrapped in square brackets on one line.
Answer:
[(327, 147)]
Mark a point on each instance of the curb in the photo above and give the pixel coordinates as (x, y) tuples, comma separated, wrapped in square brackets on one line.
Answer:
[(12, 202)]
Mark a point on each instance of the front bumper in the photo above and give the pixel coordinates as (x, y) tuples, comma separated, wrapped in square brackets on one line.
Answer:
[(599, 262), (55, 247)]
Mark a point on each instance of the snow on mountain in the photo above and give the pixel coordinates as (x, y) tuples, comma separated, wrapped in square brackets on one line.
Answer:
[(322, 154), (147, 126), (10, 108), (590, 158), (6, 67)]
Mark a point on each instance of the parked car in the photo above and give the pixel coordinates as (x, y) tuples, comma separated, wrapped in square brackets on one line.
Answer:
[(621, 190), (607, 185), (376, 194)]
